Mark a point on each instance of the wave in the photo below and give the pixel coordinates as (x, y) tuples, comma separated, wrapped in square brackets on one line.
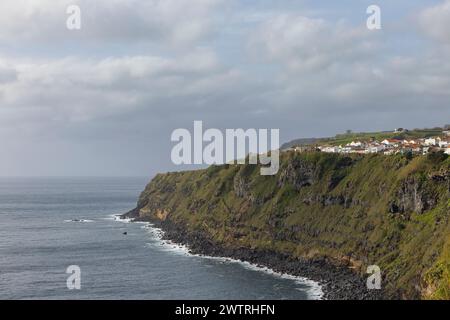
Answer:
[(118, 218), (314, 290)]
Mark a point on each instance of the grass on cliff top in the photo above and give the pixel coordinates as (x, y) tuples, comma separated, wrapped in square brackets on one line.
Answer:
[(342, 139)]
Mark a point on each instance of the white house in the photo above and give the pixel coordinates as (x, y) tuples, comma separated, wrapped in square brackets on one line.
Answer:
[(446, 132), (359, 150), (444, 143), (355, 144), (346, 149), (330, 149), (447, 151), (430, 142), (390, 142), (376, 148)]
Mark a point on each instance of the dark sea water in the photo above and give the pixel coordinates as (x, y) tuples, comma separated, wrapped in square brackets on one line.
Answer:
[(38, 241)]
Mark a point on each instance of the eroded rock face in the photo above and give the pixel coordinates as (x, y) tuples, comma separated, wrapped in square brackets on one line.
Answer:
[(412, 197), (298, 173), (240, 187), (330, 200)]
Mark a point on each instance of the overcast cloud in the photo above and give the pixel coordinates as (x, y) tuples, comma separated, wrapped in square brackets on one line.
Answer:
[(104, 100)]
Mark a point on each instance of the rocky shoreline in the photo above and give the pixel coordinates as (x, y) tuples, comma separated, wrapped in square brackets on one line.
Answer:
[(337, 282)]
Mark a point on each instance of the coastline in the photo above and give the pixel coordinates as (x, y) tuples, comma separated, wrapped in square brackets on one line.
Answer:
[(335, 282), (314, 291)]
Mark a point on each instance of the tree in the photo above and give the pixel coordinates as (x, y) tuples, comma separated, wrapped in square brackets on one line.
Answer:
[(437, 157), (409, 155)]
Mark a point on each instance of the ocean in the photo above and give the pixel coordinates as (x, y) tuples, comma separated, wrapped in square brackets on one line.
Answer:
[(49, 224)]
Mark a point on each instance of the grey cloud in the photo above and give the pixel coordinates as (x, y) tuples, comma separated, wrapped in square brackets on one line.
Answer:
[(79, 90), (308, 44), (7, 74), (176, 22), (112, 111), (335, 67), (435, 22)]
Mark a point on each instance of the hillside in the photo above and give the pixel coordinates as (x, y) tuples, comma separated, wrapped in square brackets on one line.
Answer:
[(347, 210), (344, 138), (301, 142)]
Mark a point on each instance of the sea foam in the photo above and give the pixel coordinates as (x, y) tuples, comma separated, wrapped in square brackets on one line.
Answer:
[(314, 290)]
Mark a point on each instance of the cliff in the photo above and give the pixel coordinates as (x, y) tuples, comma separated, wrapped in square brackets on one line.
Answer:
[(348, 211)]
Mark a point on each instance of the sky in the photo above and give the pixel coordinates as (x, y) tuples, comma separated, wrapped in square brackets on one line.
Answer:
[(103, 100)]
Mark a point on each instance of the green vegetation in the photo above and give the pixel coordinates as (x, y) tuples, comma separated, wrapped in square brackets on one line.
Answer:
[(345, 138), (390, 211)]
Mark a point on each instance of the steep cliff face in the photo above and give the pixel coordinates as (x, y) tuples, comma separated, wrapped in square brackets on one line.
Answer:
[(357, 211)]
